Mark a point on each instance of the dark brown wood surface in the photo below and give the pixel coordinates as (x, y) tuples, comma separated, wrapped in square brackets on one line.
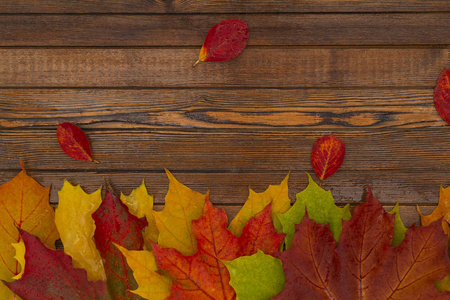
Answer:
[(122, 71)]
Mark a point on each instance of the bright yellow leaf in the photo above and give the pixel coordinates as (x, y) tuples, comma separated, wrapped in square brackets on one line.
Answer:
[(441, 211), (140, 204), (24, 204), (20, 257), (183, 205), (256, 202), (75, 224), (152, 285)]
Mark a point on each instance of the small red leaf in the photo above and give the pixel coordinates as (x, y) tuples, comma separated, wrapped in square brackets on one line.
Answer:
[(224, 41), (442, 95), (73, 141), (49, 274), (327, 156)]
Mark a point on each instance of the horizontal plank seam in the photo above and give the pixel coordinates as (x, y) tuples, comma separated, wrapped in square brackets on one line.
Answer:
[(231, 13), (269, 47), (124, 88), (287, 130), (241, 172)]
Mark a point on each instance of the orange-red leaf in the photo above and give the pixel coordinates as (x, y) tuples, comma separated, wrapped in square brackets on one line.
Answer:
[(259, 233), (115, 224), (49, 274), (24, 205), (363, 265), (224, 41), (327, 156), (73, 141), (442, 95), (203, 275)]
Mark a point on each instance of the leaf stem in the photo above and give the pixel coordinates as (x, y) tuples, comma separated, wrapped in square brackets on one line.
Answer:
[(196, 63)]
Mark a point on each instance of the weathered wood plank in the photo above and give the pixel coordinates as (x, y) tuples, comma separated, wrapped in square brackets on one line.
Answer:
[(190, 30), (229, 151), (253, 68), (212, 108), (232, 188), (217, 6)]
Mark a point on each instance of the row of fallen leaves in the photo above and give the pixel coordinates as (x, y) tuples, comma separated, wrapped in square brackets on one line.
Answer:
[(120, 248)]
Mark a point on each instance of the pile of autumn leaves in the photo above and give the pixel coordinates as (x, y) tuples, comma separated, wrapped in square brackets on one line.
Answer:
[(120, 248)]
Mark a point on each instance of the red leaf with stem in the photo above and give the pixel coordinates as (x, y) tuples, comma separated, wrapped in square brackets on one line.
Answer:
[(74, 142), (327, 156), (224, 41)]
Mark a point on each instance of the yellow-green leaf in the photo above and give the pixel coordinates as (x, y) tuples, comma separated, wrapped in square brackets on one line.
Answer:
[(256, 277), (321, 208), (399, 228), (74, 221), (256, 202), (174, 222), (140, 204), (152, 285)]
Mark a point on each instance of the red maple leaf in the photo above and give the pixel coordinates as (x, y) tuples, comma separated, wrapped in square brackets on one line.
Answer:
[(363, 265), (203, 275), (49, 274), (115, 224)]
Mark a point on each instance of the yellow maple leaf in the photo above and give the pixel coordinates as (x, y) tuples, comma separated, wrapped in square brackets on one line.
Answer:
[(256, 202), (183, 205), (152, 285), (6, 294), (140, 204), (76, 226), (441, 211), (24, 204)]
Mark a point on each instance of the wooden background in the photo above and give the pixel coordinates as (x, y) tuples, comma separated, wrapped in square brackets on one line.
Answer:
[(122, 71)]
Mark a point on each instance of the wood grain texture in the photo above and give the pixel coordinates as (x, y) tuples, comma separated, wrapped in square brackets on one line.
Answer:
[(229, 151), (218, 6), (215, 108), (253, 68), (190, 30), (231, 189)]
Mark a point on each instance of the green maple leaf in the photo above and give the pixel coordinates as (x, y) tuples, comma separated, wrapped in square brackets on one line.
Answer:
[(259, 276), (321, 208)]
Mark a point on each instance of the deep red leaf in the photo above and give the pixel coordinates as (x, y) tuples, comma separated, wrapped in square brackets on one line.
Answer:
[(442, 95), (203, 275), (363, 244), (363, 265), (49, 274), (224, 41), (73, 141), (308, 263), (327, 156), (114, 224)]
